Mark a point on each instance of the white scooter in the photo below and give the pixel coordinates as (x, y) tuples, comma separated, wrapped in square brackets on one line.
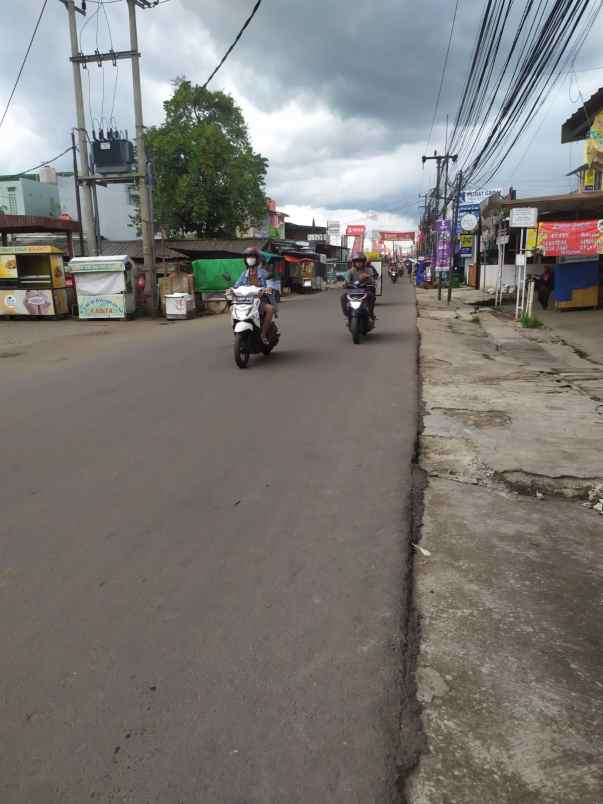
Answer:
[(247, 324)]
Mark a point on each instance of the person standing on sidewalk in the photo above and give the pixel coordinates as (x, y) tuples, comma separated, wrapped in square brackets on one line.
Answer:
[(545, 286)]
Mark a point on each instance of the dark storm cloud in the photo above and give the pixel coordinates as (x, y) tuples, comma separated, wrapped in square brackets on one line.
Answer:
[(379, 59), (365, 73)]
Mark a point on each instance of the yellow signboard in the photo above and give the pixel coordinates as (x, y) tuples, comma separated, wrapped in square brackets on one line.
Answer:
[(8, 266), (531, 239), (590, 178), (57, 271), (30, 250)]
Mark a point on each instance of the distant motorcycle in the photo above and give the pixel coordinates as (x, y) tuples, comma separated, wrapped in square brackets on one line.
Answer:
[(357, 310), (393, 275), (246, 318)]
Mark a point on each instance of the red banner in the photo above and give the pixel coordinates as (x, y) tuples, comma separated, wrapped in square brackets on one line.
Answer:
[(579, 238), (355, 231), (398, 236)]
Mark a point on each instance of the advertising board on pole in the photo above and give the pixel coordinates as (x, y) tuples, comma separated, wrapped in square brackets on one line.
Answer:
[(466, 244), (357, 232), (443, 231), (523, 218), (334, 232)]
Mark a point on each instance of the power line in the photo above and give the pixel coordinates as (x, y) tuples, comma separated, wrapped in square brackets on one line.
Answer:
[(33, 36), (234, 44), (444, 68), (42, 164), (499, 102), (102, 5)]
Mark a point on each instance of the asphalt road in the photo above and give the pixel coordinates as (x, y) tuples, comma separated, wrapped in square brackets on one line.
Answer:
[(201, 568)]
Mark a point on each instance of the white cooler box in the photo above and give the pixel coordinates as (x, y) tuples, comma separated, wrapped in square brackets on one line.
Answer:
[(179, 305)]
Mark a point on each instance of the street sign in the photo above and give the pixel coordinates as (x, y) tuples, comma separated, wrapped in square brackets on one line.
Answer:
[(466, 244), (523, 218), (469, 222)]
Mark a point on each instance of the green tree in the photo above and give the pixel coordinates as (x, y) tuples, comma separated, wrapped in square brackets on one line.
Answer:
[(208, 179)]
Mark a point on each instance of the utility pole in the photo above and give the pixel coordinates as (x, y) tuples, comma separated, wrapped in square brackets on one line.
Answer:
[(148, 240), (87, 217), (455, 220), (141, 177), (441, 159), (78, 201)]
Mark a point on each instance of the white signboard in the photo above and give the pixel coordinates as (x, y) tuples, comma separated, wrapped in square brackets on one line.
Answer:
[(469, 222), (477, 196), (334, 232), (313, 238), (523, 218)]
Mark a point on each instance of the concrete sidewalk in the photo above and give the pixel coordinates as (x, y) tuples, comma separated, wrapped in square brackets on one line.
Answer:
[(509, 563)]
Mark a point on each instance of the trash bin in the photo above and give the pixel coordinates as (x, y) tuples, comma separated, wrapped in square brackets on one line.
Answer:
[(179, 306)]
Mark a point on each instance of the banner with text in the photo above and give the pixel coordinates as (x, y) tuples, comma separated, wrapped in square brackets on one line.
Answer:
[(569, 239), (443, 232), (357, 232), (398, 236)]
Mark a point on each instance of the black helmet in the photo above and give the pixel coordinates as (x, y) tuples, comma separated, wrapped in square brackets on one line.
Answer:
[(253, 251), (358, 256)]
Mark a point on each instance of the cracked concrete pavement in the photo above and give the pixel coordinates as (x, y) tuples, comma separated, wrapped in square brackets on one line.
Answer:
[(508, 578)]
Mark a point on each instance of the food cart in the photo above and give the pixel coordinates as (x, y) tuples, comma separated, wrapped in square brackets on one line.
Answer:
[(104, 286), (32, 282), (304, 273)]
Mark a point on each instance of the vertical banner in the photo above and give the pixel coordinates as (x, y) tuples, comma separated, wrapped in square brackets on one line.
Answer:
[(357, 232), (443, 231), (334, 232)]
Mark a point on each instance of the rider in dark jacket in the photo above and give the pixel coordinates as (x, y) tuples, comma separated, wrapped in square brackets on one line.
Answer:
[(366, 275)]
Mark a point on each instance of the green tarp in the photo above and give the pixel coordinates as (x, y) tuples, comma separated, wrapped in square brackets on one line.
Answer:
[(213, 276)]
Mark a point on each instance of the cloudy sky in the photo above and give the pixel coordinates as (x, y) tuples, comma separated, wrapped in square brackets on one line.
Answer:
[(339, 95)]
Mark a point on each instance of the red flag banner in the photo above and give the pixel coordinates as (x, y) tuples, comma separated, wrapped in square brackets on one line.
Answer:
[(575, 238), (398, 236)]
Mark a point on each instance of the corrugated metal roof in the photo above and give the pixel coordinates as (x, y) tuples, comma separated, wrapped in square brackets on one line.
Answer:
[(213, 245), (133, 248), (576, 128), (13, 224)]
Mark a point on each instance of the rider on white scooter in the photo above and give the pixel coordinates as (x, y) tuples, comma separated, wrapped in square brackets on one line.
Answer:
[(255, 275)]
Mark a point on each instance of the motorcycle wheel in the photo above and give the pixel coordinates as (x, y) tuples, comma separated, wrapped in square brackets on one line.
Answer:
[(241, 352), (355, 329)]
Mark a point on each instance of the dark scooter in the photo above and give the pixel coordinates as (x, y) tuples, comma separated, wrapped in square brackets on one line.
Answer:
[(357, 310)]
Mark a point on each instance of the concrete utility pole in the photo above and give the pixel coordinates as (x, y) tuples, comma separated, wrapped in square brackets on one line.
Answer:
[(441, 159), (141, 177), (455, 220), (87, 218), (148, 240)]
